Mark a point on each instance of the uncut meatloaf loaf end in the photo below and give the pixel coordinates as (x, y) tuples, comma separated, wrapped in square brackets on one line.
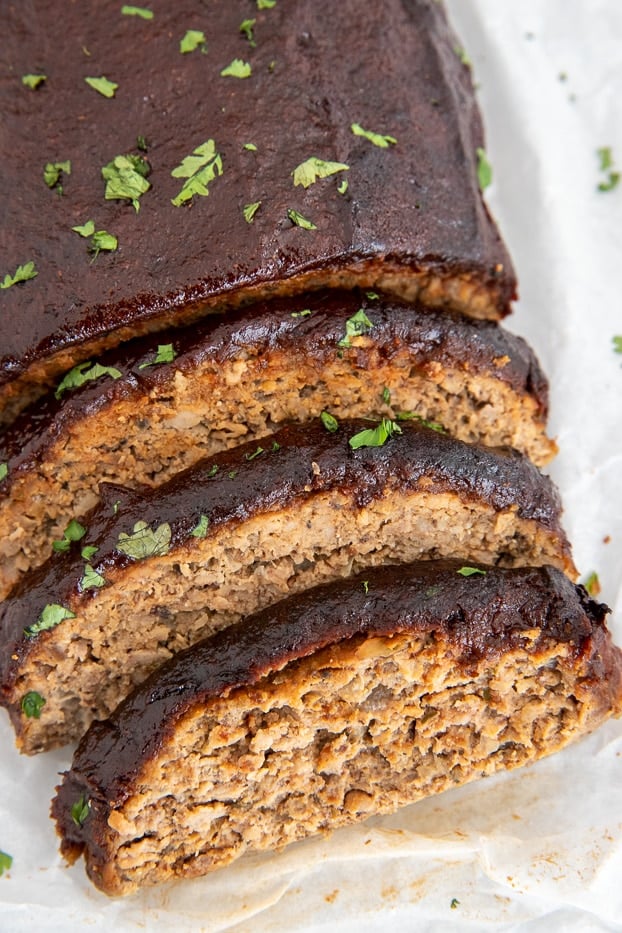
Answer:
[(351, 700), (164, 401), (165, 567), (350, 129)]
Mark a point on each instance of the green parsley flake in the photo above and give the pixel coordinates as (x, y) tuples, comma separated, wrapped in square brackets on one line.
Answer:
[(142, 143), (308, 172), (305, 313), (91, 579), (386, 395), (200, 530), (375, 437), (125, 178), (413, 416), (88, 551), (343, 186), (4, 471), (372, 296), (454, 903), (250, 146), (194, 39), (592, 584), (102, 85), (21, 274), (141, 11), (617, 343), (87, 229), (299, 220), (265, 4), (383, 142), (237, 69), (85, 372), (605, 158), (356, 326), (73, 532), (165, 354), (246, 28), (102, 240), (461, 52), (471, 572), (32, 704), (6, 861), (256, 454), (484, 169), (213, 470), (80, 810), (52, 174), (250, 210), (199, 169), (33, 81), (145, 542), (51, 616), (329, 421)]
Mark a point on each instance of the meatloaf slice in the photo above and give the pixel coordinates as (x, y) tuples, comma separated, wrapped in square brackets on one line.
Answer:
[(163, 402), (242, 530), (349, 700), (350, 129)]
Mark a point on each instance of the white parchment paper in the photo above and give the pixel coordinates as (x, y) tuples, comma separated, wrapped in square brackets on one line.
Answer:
[(539, 849)]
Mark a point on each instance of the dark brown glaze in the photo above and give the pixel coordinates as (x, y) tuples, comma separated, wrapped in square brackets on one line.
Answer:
[(484, 615), (430, 335), (416, 204), (299, 461)]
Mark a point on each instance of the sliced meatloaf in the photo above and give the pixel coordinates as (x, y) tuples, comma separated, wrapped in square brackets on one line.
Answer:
[(336, 144), (159, 569), (162, 402), (346, 701)]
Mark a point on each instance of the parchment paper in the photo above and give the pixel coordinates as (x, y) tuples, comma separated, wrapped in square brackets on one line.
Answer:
[(539, 849)]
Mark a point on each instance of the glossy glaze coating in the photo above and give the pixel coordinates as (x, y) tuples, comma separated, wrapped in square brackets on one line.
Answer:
[(317, 68)]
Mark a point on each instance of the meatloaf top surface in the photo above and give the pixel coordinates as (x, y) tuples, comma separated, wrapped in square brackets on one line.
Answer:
[(317, 69)]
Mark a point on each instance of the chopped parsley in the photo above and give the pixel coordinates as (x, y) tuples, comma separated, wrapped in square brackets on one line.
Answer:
[(366, 586), (305, 313), (484, 169), (372, 296), (6, 861), (21, 274), (413, 416), (256, 454), (102, 240), (165, 354), (329, 421), (194, 39), (51, 616), (299, 220), (250, 210), (88, 551), (246, 28), (200, 530), (386, 395), (87, 229), (142, 143), (375, 437), (126, 178), (378, 139), (592, 584), (80, 810), (356, 326), (85, 372), (102, 85), (265, 4), (213, 470), (342, 187), (308, 172), (32, 704), (33, 81), (237, 69), (617, 343), (471, 572), (145, 541), (4, 471), (199, 169), (462, 55), (52, 174), (606, 164), (250, 146), (73, 532), (141, 11), (91, 579), (454, 903)]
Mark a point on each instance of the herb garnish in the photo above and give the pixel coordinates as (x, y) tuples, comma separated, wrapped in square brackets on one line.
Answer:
[(100, 239), (51, 616), (592, 584), (329, 421), (32, 704), (413, 416), (386, 395), (605, 158), (375, 437), (250, 146), (33, 81), (6, 861), (194, 39), (141, 11), (342, 187), (52, 174), (88, 551), (213, 470), (145, 541), (372, 296), (256, 454), (85, 372), (454, 903), (199, 169), (73, 532), (356, 326), (21, 274), (200, 530), (126, 179), (471, 572), (484, 169), (305, 313), (462, 55), (4, 471), (246, 27), (366, 586), (265, 4), (250, 210), (299, 220), (102, 85), (308, 172), (91, 579), (80, 810), (165, 354), (383, 142), (237, 69)]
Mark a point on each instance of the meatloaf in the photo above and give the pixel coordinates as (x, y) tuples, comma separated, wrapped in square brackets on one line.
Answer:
[(346, 701), (325, 144), (162, 402), (158, 569)]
